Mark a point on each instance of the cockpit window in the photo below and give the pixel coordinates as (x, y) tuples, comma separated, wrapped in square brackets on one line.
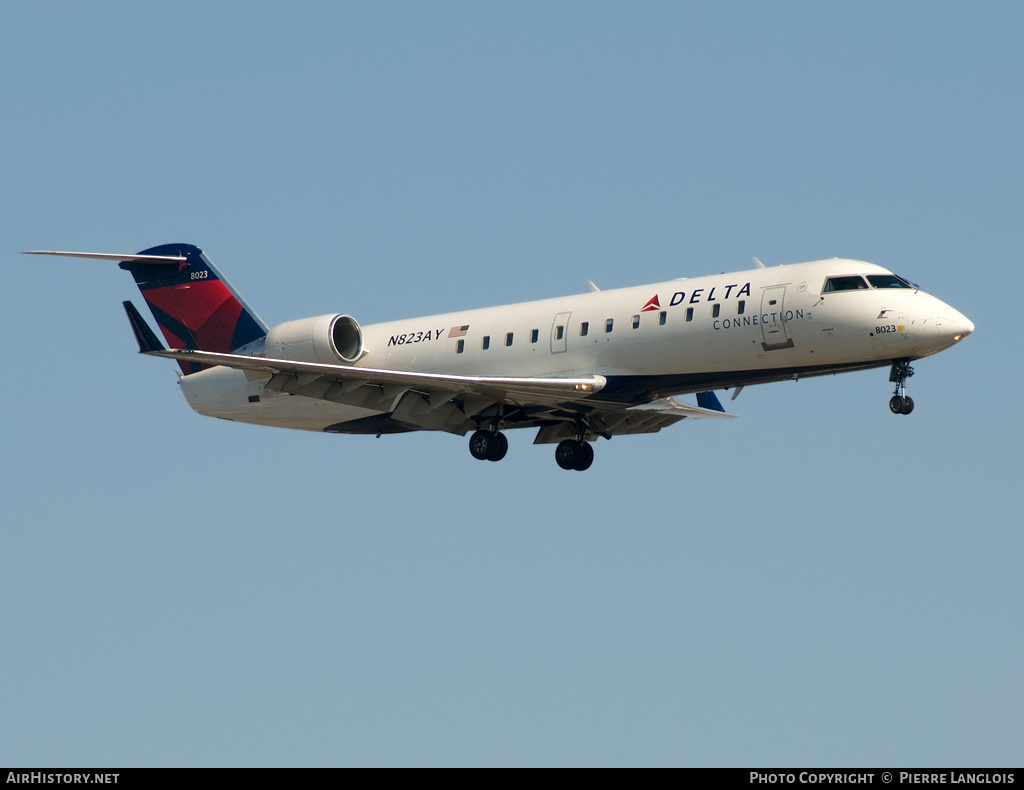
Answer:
[(851, 282), (887, 281)]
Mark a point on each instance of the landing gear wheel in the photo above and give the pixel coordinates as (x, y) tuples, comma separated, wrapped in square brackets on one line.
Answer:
[(908, 405), (574, 454), (488, 445), (501, 447), (568, 454), (586, 457), (483, 444), (896, 404)]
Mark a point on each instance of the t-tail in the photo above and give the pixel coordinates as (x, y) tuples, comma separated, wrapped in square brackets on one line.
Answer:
[(194, 306)]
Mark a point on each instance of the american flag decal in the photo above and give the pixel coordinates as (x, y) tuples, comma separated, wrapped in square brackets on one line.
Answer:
[(458, 331)]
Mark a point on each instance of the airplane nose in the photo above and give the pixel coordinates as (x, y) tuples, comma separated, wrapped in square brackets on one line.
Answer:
[(953, 325)]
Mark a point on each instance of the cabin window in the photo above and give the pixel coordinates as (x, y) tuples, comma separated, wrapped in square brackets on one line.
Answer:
[(508, 339), (636, 322), (460, 346), (740, 306), (486, 342), (689, 313), (584, 328), (715, 310), (887, 281), (534, 335), (559, 332), (608, 324), (847, 283)]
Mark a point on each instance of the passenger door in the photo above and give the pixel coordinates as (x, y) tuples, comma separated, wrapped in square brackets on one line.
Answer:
[(773, 319)]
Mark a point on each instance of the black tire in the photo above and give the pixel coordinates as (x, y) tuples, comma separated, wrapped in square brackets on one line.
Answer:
[(896, 404), (586, 457), (567, 454), (908, 405), (482, 445), (500, 447)]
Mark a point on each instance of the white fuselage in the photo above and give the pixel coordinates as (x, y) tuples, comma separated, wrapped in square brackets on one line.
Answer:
[(650, 341)]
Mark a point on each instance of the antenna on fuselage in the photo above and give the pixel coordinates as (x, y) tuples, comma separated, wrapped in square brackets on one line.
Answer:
[(593, 288), (759, 264)]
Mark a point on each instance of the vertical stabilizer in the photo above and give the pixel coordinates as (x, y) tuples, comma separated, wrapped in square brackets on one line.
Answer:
[(193, 305)]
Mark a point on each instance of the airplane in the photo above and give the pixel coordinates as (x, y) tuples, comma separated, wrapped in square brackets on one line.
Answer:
[(577, 368)]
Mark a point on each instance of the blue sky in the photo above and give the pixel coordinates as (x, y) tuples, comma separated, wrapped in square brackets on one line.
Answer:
[(815, 583)]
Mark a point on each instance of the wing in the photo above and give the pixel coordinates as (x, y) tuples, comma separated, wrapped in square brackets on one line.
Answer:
[(287, 376), (438, 401), (431, 401)]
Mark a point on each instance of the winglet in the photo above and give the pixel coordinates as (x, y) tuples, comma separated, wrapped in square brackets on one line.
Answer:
[(709, 401), (143, 334)]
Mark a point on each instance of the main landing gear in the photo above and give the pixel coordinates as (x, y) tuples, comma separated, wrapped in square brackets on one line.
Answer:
[(487, 445), (574, 454), (900, 402), (490, 444)]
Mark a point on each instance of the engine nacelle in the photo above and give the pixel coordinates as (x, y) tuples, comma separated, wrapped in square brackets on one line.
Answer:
[(326, 339)]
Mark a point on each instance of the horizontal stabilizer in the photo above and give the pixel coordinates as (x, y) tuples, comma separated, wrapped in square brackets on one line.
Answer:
[(110, 256), (148, 341)]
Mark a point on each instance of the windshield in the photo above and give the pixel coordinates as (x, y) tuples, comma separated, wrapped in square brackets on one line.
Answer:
[(848, 283), (855, 282), (887, 281)]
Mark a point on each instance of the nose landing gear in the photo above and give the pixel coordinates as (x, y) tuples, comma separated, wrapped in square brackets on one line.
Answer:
[(900, 402)]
